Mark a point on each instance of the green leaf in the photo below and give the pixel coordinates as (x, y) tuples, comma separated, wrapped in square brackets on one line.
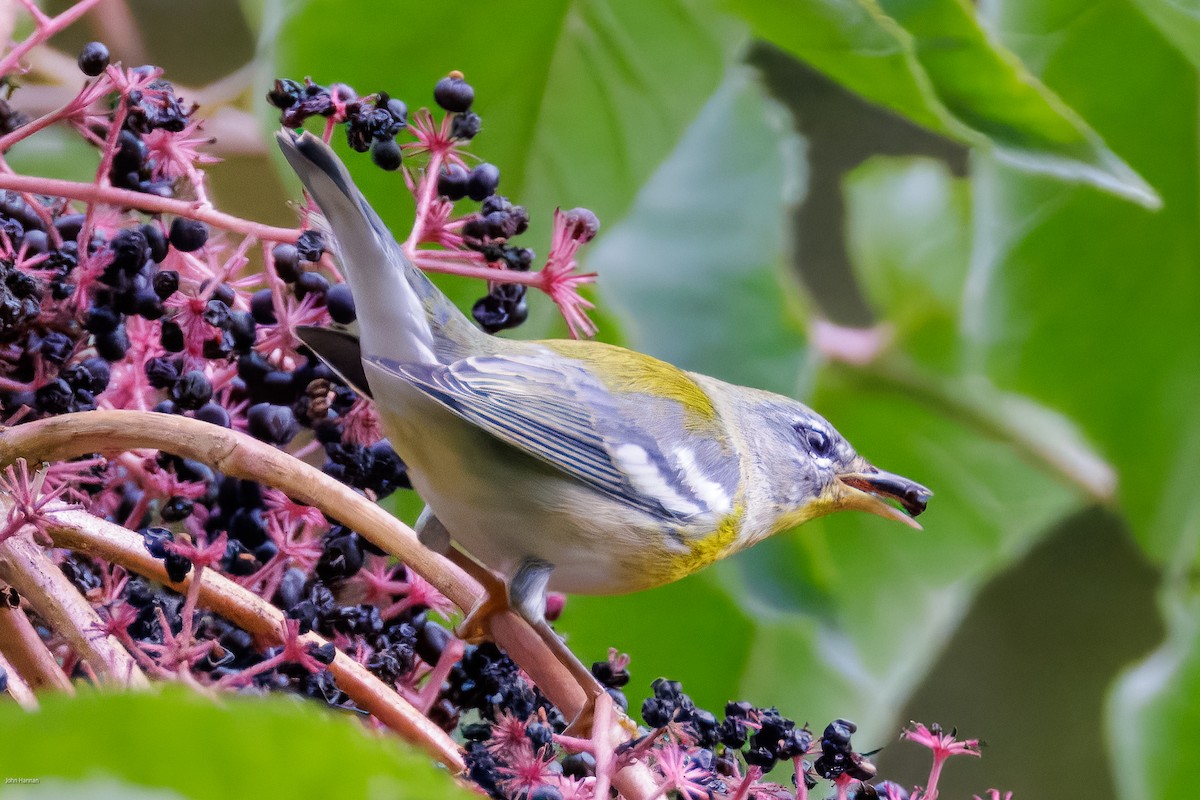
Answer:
[(198, 748), (909, 236), (1087, 304), (1090, 306), (932, 61), (580, 99), (1179, 22), (1152, 713)]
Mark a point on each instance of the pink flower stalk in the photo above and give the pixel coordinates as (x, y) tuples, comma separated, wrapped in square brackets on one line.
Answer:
[(29, 496), (292, 513), (527, 769), (419, 592), (361, 424), (559, 279), (176, 155), (128, 386), (680, 773), (432, 137), (943, 746), (280, 341), (202, 556), (508, 736)]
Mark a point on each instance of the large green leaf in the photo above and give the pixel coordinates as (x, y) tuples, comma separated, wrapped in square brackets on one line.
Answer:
[(1179, 22), (200, 748), (932, 61), (701, 251), (1089, 304)]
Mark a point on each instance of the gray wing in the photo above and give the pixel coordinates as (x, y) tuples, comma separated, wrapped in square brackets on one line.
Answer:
[(556, 410)]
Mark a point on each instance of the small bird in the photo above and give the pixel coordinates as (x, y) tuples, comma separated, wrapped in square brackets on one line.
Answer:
[(566, 465)]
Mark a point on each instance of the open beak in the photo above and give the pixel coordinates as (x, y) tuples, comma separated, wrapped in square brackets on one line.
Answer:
[(880, 492)]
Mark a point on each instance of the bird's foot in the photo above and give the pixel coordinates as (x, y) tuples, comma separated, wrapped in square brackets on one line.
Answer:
[(474, 627)]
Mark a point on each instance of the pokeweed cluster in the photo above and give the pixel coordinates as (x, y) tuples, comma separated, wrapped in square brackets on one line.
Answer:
[(132, 291)]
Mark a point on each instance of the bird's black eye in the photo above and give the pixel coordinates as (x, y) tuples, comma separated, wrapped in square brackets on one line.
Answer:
[(817, 440)]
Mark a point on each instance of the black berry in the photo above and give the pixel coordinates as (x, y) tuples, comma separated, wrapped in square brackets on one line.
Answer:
[(385, 153), (340, 304), (465, 126), (188, 235), (287, 262), (453, 93), (483, 181), (192, 390), (271, 423), (452, 182), (93, 59)]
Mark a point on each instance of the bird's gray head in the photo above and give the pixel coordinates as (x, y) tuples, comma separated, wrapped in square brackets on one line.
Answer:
[(810, 470)]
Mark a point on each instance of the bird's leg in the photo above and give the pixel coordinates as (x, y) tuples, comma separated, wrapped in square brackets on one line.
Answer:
[(434, 535), (524, 593), (527, 595), (473, 628)]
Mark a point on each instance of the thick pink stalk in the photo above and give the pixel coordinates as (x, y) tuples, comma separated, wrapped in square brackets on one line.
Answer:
[(150, 204)]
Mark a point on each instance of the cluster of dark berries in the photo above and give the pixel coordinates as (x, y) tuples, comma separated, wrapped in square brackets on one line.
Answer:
[(41, 345), (153, 107), (777, 738), (489, 232), (373, 122), (838, 757), (488, 682), (143, 312), (298, 102)]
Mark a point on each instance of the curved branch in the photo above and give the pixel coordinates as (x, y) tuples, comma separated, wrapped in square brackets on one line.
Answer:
[(232, 453), (78, 530), (25, 567), (17, 688), (25, 650)]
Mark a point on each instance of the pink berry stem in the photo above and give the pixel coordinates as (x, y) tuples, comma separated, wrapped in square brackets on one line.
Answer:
[(46, 27), (150, 204), (443, 261)]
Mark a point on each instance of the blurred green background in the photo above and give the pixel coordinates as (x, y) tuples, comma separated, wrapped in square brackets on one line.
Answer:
[(1005, 194)]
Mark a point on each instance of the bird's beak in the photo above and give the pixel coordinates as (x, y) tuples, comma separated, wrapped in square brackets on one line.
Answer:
[(879, 492)]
